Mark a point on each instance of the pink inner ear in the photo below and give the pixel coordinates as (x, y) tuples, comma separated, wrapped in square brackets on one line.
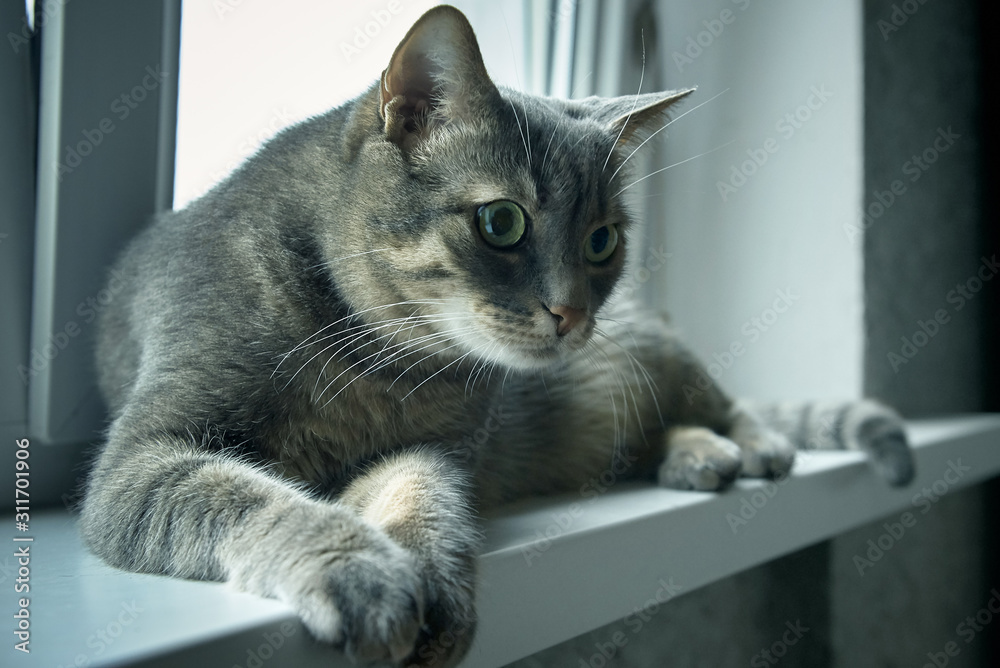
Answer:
[(437, 61), (419, 60), (409, 75)]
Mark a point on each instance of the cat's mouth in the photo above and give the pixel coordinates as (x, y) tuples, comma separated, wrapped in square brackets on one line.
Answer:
[(527, 355), (530, 343), (528, 339)]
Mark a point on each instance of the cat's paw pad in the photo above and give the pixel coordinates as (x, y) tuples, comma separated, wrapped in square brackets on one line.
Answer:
[(699, 459), (368, 603), (766, 454)]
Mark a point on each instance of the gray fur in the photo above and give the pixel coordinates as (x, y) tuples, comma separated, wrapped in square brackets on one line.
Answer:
[(319, 373)]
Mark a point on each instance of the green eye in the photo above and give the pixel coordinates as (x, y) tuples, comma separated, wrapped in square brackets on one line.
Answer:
[(601, 243), (501, 223)]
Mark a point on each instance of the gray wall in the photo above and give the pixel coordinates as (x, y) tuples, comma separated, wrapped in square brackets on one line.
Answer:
[(17, 209), (922, 82)]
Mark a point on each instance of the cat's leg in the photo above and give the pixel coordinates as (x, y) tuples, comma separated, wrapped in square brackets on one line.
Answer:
[(628, 406), (158, 501), (421, 499), (634, 403), (709, 439), (766, 453), (713, 438), (698, 458)]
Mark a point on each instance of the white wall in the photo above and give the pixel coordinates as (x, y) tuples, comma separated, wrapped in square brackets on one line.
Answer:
[(782, 229)]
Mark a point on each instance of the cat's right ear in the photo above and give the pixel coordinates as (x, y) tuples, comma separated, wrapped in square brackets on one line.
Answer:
[(436, 75), (634, 117)]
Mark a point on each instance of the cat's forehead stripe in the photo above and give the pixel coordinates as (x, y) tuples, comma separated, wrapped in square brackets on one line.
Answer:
[(486, 192)]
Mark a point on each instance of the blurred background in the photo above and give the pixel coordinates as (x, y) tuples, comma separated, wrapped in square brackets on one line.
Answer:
[(821, 202)]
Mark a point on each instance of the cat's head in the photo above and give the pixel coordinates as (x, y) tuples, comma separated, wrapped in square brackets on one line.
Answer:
[(496, 215)]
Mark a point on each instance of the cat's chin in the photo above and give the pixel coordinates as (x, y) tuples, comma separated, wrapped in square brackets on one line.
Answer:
[(527, 358)]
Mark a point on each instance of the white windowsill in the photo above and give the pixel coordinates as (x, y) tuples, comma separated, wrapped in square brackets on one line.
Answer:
[(608, 557)]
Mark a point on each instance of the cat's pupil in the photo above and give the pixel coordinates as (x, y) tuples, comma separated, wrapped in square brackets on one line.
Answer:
[(599, 240), (502, 222)]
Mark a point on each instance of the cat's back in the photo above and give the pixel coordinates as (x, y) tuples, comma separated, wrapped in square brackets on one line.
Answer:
[(212, 284), (158, 275)]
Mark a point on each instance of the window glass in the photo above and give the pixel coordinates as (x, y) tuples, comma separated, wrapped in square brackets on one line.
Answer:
[(250, 68)]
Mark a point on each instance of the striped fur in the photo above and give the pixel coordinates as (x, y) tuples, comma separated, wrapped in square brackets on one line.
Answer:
[(866, 425), (320, 374)]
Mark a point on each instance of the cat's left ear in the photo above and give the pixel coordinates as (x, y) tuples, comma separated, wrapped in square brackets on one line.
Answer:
[(436, 75), (633, 116)]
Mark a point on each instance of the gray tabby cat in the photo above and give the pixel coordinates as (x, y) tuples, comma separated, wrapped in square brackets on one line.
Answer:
[(300, 357)]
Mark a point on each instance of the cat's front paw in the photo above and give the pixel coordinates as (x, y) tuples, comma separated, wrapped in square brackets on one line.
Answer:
[(449, 614), (449, 611), (766, 453), (368, 602), (699, 459)]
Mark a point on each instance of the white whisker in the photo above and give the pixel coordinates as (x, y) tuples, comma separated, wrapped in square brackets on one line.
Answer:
[(576, 88), (694, 157), (407, 351), (503, 383), (375, 340), (427, 357), (346, 257), (650, 382), (438, 371), (517, 78), (527, 151), (446, 335), (364, 329), (642, 74), (480, 364), (546, 156), (353, 314)]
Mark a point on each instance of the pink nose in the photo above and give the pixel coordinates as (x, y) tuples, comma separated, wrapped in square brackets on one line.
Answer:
[(567, 318)]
